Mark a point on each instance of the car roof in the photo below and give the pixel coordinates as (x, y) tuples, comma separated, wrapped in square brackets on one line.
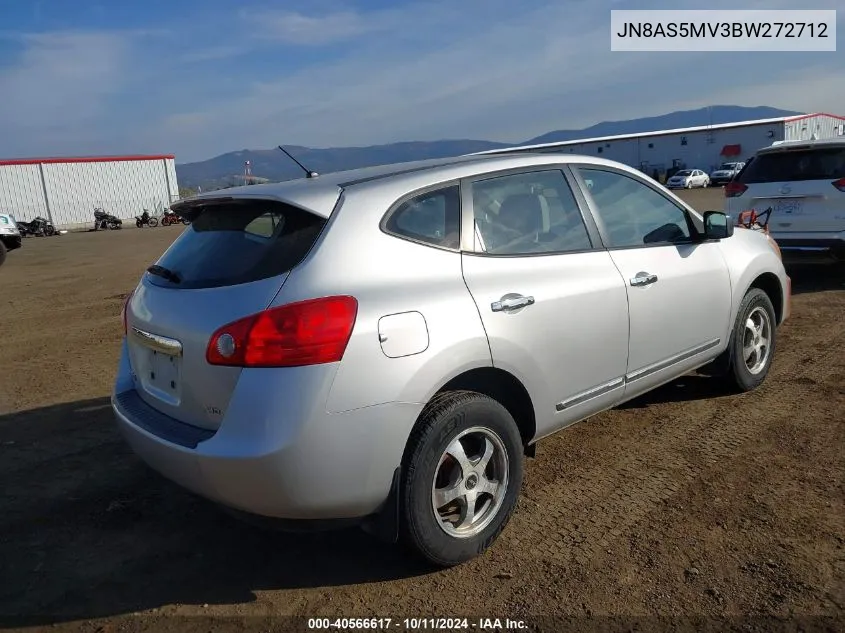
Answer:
[(781, 146), (320, 194)]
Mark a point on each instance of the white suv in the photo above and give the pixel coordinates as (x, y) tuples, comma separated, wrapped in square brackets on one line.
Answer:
[(804, 184)]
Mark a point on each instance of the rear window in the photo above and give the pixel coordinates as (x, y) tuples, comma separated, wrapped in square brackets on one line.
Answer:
[(433, 217), (795, 165), (236, 243)]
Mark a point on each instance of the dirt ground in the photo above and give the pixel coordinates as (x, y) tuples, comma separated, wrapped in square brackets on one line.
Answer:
[(687, 503)]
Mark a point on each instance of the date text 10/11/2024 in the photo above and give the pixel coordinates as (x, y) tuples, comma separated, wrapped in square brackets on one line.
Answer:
[(416, 624)]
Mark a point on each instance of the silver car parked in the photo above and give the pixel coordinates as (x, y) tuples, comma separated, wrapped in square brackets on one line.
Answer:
[(687, 179), (384, 346)]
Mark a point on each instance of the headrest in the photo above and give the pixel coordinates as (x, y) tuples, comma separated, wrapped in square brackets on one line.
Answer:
[(522, 212)]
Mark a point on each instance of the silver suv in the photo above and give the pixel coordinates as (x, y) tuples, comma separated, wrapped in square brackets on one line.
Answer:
[(725, 173), (384, 346), (803, 182)]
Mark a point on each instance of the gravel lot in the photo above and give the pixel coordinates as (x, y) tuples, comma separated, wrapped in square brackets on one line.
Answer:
[(689, 502)]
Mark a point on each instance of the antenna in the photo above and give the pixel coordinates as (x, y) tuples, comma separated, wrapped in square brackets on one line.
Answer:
[(308, 172)]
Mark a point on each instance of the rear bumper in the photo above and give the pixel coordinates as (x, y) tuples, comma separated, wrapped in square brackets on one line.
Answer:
[(276, 455), (830, 247)]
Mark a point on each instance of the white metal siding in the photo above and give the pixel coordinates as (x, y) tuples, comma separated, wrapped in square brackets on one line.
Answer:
[(170, 167), (703, 149), (123, 188), (820, 126), (623, 151), (21, 192)]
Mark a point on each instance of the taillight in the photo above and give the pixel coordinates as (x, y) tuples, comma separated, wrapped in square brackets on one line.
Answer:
[(734, 189), (304, 333), (124, 310), (839, 184)]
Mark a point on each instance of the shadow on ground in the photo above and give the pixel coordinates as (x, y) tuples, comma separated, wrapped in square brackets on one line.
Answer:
[(683, 389), (808, 278), (89, 531)]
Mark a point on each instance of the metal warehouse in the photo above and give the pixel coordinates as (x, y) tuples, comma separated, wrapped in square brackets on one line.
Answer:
[(704, 147), (66, 190)]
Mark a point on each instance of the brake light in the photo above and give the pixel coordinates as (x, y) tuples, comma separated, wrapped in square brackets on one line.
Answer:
[(734, 189), (124, 310), (308, 332), (839, 184)]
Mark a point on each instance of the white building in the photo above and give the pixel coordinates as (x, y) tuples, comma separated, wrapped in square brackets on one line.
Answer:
[(66, 190), (704, 147)]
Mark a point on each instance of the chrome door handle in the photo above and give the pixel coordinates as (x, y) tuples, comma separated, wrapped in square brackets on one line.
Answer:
[(643, 279), (511, 303)]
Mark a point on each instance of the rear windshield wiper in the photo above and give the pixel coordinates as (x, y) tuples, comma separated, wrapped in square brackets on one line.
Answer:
[(161, 271)]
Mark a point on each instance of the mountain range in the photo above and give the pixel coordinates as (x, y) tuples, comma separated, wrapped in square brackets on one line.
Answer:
[(227, 169)]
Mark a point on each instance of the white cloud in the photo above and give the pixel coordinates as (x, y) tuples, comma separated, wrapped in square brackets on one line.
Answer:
[(213, 53), (291, 27), (62, 76), (401, 23), (58, 94), (477, 69)]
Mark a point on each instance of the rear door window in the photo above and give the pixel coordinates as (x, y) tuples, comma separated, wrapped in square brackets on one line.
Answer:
[(239, 242), (795, 165)]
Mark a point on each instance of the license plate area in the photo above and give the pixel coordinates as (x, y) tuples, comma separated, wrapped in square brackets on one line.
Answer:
[(787, 206), (159, 366)]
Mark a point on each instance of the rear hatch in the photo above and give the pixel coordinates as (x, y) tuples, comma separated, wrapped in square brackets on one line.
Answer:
[(230, 262), (802, 184)]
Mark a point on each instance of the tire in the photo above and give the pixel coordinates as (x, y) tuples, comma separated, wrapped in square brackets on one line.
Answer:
[(186, 221), (165, 221), (475, 421), (757, 307), (3, 252), (153, 222)]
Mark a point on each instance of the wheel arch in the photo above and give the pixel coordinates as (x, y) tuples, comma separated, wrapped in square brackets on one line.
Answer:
[(769, 283), (504, 388), (495, 383)]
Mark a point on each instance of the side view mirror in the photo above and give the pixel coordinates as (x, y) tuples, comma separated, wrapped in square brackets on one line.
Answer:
[(717, 225)]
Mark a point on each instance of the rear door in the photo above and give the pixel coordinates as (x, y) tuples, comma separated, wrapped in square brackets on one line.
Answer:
[(552, 303), (230, 262), (798, 184)]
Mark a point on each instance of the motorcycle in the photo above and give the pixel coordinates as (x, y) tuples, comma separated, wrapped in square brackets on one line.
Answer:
[(103, 220), (170, 217), (145, 219), (38, 226)]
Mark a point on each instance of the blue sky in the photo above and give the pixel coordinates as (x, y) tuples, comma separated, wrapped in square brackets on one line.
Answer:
[(201, 77)]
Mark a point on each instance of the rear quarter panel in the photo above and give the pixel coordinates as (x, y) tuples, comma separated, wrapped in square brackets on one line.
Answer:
[(391, 276)]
